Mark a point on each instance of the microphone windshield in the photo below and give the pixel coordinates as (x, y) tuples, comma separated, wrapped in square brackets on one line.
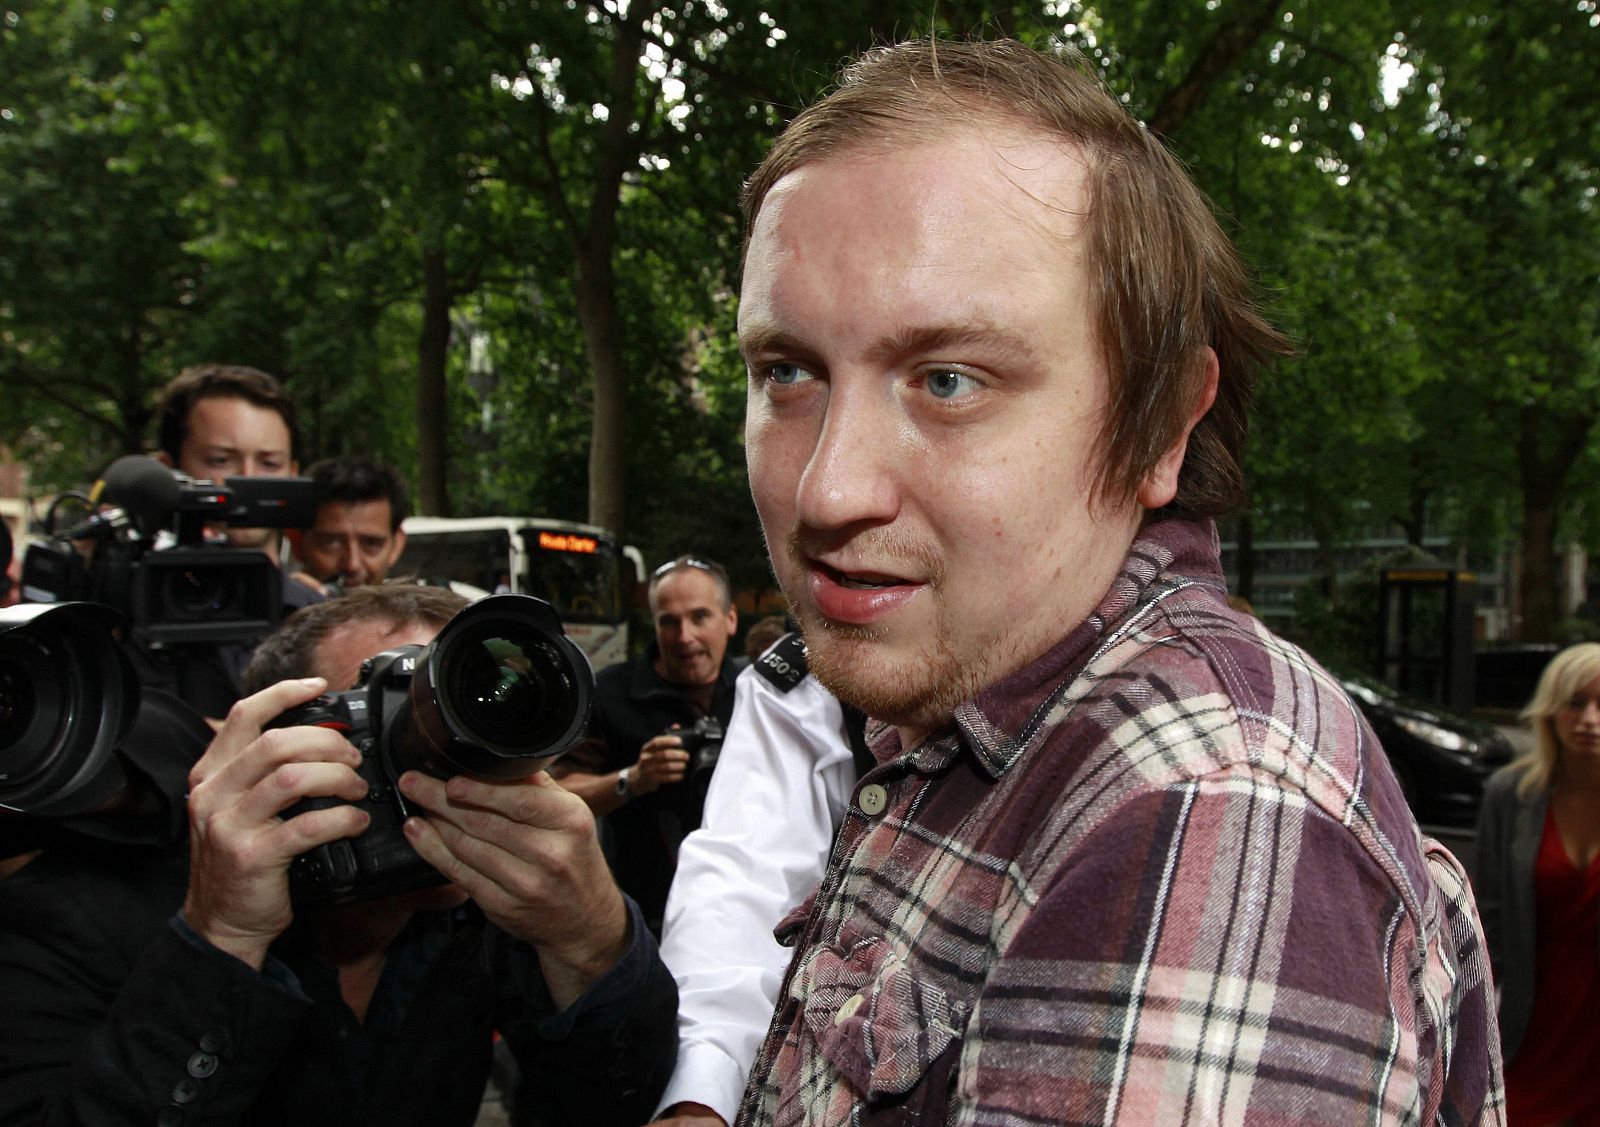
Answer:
[(148, 491)]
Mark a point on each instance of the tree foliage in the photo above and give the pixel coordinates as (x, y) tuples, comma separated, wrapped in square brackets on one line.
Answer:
[(497, 244)]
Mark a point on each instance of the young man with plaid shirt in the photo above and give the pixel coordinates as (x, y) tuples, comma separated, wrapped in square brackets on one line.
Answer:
[(1125, 855)]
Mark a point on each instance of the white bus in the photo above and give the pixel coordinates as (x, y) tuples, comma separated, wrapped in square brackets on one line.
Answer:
[(577, 568)]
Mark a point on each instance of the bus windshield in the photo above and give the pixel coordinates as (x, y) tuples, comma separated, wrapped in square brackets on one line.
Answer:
[(576, 573), (480, 558)]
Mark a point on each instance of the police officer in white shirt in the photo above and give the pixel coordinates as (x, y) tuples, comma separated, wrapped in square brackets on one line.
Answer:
[(783, 781)]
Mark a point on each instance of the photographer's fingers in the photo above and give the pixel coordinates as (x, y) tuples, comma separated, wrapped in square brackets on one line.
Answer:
[(247, 718), (549, 887), (527, 852), (238, 894), (260, 760), (537, 801), (293, 781), (662, 760)]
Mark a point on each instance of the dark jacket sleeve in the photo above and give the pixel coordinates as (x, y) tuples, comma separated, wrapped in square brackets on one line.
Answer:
[(1491, 855), (112, 1015), (1509, 828), (606, 1059)]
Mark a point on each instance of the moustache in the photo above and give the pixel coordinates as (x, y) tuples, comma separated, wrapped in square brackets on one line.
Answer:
[(880, 548)]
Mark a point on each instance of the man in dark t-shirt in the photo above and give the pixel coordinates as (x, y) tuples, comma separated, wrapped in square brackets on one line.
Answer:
[(634, 768)]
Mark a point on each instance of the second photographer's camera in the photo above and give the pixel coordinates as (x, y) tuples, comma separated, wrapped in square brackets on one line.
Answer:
[(499, 690), (703, 742)]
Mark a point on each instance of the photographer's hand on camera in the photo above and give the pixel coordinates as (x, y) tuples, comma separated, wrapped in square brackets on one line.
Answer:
[(527, 852), (240, 849), (662, 761)]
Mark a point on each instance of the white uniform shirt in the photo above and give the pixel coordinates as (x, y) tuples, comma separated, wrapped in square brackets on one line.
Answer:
[(780, 789)]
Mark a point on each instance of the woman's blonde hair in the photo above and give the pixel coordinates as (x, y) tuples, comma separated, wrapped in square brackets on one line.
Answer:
[(1567, 672)]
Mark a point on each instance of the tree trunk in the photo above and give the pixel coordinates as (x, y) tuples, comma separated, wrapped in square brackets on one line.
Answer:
[(1548, 446), (1537, 583), (433, 346), (1233, 39), (596, 289), (602, 332)]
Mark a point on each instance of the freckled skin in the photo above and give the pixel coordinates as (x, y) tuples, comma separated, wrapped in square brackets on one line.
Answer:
[(979, 503)]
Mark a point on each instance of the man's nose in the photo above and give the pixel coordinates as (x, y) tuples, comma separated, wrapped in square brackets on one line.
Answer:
[(850, 477)]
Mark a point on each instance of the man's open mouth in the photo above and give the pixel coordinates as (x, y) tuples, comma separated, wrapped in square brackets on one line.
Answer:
[(861, 580)]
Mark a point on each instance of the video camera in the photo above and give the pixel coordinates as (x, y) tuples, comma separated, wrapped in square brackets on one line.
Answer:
[(189, 591), (498, 690)]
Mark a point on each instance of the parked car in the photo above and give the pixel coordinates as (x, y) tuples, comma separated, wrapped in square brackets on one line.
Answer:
[(1442, 758)]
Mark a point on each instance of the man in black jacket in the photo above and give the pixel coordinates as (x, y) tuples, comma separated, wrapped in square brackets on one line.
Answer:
[(634, 767), (238, 1009)]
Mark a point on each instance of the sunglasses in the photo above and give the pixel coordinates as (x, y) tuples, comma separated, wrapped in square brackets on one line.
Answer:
[(686, 561)]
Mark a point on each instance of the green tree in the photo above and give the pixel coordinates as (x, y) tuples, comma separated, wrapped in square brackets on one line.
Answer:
[(98, 285)]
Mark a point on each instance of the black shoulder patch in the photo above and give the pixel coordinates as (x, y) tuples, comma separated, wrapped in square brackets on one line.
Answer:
[(784, 663)]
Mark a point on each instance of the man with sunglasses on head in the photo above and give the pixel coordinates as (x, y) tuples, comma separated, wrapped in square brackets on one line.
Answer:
[(634, 768)]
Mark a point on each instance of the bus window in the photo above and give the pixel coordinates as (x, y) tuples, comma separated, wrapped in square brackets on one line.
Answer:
[(480, 557)]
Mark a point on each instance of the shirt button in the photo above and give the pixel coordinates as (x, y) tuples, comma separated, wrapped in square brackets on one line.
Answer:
[(873, 799), (185, 1091), (214, 1040), (848, 1010), (202, 1065), (169, 1117)]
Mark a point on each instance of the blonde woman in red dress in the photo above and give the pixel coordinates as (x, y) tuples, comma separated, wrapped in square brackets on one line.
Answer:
[(1537, 879)]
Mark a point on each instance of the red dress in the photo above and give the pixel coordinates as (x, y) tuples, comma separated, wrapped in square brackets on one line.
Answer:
[(1555, 1077)]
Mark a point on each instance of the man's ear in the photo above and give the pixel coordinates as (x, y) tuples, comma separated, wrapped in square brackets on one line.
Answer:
[(1160, 485), (163, 457), (396, 545)]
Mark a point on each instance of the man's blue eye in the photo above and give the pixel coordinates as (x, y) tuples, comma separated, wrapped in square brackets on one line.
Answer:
[(948, 385), (785, 373)]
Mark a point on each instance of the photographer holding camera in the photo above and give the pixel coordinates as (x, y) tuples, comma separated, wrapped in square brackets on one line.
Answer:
[(250, 1006), (638, 767)]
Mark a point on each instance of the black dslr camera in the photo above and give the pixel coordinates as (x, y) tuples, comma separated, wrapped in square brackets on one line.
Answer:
[(498, 690), (703, 742), (186, 591)]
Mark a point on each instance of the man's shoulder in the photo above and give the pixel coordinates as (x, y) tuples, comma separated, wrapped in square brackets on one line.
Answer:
[(1190, 689)]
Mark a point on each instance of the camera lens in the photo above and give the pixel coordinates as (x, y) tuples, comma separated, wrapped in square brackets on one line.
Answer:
[(17, 703), (66, 695), (196, 593), (499, 689), (507, 686), (29, 726)]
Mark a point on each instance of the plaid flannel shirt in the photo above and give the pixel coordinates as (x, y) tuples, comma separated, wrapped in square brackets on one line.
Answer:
[(1161, 875)]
